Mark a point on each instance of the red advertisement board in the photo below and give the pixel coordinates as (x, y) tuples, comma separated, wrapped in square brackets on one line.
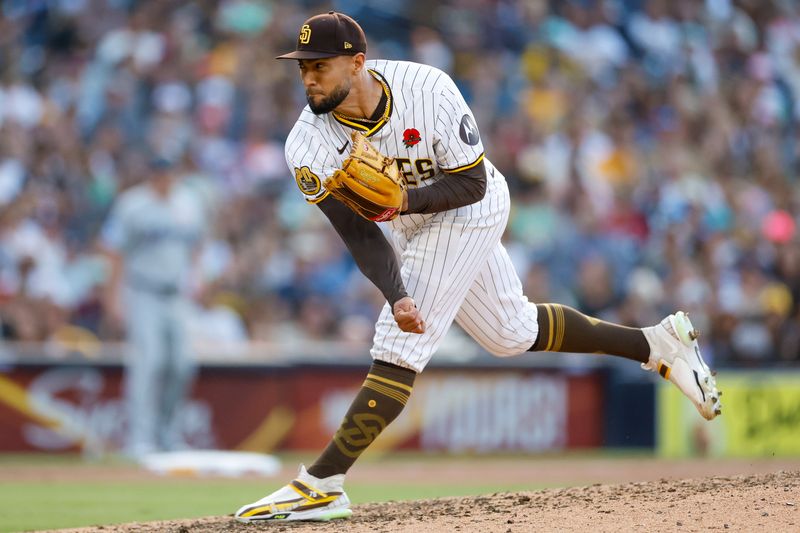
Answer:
[(66, 408)]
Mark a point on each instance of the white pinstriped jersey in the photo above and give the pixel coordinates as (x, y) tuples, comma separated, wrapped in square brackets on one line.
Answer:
[(452, 262), (428, 128)]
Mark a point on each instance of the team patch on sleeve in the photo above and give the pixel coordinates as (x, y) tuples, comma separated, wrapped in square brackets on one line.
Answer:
[(307, 181)]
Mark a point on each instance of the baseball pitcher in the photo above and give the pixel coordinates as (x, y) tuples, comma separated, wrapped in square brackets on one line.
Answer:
[(395, 142)]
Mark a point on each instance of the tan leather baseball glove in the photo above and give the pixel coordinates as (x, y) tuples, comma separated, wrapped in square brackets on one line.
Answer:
[(369, 183)]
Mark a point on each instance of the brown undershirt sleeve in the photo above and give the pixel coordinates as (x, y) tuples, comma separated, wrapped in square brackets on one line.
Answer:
[(371, 251), (454, 190)]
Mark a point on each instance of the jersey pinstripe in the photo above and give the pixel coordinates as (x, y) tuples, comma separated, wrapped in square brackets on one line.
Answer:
[(452, 262)]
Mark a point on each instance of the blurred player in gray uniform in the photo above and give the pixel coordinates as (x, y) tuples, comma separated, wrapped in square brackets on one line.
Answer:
[(150, 237)]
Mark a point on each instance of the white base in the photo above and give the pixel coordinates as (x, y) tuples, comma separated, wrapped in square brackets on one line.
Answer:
[(211, 463)]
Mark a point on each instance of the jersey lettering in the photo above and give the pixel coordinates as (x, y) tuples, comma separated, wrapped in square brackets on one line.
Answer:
[(404, 166), (425, 168)]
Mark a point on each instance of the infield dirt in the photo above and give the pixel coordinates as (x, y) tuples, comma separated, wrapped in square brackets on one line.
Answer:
[(762, 502)]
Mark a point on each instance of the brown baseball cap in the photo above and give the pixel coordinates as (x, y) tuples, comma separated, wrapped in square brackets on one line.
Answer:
[(328, 35)]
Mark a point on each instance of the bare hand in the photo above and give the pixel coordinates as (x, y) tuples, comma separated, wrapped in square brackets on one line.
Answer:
[(407, 316)]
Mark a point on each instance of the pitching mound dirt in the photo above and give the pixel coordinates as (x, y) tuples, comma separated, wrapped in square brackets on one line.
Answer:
[(743, 503)]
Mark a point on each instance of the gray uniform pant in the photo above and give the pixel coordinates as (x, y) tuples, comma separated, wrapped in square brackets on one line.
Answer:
[(159, 369)]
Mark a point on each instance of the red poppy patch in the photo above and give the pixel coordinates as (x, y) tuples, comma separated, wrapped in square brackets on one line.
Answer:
[(411, 137)]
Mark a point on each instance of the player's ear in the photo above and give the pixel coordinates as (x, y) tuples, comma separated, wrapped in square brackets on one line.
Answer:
[(358, 62)]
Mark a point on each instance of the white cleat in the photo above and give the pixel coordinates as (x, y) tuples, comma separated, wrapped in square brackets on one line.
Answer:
[(304, 498), (675, 355)]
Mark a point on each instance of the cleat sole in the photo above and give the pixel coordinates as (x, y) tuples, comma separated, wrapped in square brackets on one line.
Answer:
[(336, 514), (308, 516), (684, 328)]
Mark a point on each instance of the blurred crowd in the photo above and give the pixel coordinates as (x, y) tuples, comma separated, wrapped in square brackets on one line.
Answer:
[(651, 147)]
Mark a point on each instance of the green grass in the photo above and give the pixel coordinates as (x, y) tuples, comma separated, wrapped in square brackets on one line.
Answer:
[(36, 504), (32, 505)]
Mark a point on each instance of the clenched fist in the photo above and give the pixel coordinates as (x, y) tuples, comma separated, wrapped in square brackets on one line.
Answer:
[(408, 316)]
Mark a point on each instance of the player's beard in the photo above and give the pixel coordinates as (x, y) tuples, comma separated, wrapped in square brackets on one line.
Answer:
[(330, 102)]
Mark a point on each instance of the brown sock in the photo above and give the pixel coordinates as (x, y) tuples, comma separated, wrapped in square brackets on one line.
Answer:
[(563, 329), (381, 398)]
